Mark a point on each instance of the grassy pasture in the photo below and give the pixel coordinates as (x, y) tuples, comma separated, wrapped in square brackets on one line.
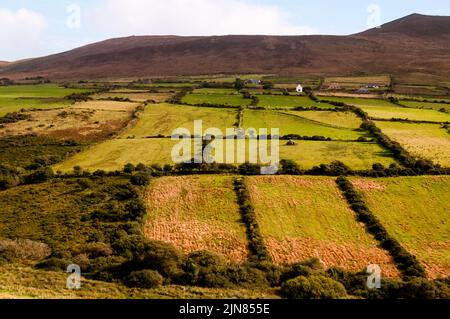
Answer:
[(426, 105), (382, 109), (305, 217), (69, 124), (114, 154), (357, 156), (163, 119), (293, 101), (196, 213), (37, 91), (415, 211), (135, 97), (10, 105), (295, 124), (216, 99), (216, 91), (428, 141), (335, 119)]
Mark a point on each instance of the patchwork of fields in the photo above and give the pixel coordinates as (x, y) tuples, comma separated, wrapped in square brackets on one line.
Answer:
[(298, 217), (305, 217)]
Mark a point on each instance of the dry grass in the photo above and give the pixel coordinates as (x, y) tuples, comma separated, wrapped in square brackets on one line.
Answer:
[(135, 96), (196, 213), (71, 123), (106, 106), (304, 217)]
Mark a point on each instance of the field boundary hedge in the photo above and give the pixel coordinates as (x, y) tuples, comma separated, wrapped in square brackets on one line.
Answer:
[(407, 263), (256, 245)]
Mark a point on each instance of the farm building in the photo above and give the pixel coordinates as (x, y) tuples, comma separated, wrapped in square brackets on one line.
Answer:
[(372, 86), (362, 91), (253, 81), (299, 88)]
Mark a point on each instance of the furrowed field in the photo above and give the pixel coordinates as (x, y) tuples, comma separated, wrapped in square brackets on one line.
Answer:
[(416, 211), (429, 141), (305, 217), (196, 213)]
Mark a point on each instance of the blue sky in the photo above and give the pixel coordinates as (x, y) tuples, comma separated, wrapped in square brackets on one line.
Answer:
[(35, 28)]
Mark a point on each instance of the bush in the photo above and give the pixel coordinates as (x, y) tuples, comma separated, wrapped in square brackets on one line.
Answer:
[(140, 179), (313, 287), (23, 250), (147, 279)]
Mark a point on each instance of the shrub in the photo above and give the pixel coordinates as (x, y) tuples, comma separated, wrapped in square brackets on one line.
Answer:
[(313, 287), (144, 279), (23, 250), (140, 179)]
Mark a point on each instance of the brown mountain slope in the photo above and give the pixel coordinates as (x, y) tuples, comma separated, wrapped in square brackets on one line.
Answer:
[(415, 43)]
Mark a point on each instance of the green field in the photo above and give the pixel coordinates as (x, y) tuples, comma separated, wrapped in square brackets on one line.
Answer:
[(415, 211), (293, 101), (163, 119), (428, 141), (10, 105), (426, 105), (216, 99), (305, 217), (358, 156), (196, 213), (295, 124), (17, 97), (383, 109), (337, 119), (37, 91), (114, 154), (216, 91)]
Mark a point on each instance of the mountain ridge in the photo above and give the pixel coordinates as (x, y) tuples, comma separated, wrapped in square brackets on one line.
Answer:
[(416, 43)]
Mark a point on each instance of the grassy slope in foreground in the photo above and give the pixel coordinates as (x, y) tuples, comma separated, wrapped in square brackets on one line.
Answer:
[(23, 282), (163, 119), (428, 141), (305, 217), (196, 213), (295, 124), (415, 211)]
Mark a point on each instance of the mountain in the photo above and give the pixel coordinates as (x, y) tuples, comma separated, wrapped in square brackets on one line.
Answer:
[(415, 43), (3, 63)]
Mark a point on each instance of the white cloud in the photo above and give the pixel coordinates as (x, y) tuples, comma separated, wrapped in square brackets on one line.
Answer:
[(193, 17), (20, 33)]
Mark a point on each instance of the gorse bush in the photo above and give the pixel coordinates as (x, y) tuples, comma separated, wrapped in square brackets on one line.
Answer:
[(144, 279), (313, 287)]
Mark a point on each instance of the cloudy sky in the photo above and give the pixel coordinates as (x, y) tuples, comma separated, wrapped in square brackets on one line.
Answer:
[(30, 28)]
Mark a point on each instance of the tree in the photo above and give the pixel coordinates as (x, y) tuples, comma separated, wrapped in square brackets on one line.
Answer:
[(239, 84), (145, 279)]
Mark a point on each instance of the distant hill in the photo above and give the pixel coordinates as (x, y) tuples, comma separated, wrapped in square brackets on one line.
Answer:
[(3, 63), (415, 43)]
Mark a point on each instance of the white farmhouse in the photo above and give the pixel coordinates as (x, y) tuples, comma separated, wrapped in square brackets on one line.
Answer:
[(299, 88)]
